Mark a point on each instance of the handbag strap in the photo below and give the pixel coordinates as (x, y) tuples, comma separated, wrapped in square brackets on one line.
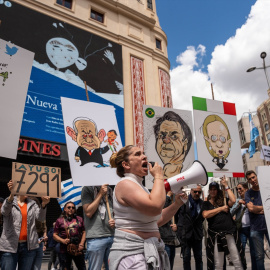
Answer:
[(66, 228), (242, 213)]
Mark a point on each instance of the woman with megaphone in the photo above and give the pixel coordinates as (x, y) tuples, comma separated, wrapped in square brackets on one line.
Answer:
[(138, 213), (222, 232)]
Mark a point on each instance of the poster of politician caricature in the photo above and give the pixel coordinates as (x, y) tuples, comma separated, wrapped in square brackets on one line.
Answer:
[(168, 139), (92, 135), (217, 137), (15, 69), (263, 180)]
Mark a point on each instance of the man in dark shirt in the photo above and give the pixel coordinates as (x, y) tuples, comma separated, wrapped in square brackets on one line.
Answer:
[(258, 227), (190, 229)]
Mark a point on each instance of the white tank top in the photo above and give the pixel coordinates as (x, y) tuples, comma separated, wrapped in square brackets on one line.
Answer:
[(129, 218)]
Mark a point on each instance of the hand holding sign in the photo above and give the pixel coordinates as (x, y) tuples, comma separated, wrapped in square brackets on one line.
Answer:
[(45, 201)]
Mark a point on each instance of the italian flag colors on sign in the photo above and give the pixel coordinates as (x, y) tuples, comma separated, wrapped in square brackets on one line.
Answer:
[(217, 137), (209, 105)]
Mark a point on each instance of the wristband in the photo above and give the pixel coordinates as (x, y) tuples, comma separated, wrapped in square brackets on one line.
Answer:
[(226, 188)]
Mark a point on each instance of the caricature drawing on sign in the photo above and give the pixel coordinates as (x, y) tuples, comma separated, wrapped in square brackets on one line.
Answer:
[(217, 139), (88, 138), (111, 140), (173, 142)]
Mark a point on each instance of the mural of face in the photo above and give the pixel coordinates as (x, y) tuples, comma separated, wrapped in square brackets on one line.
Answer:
[(218, 138), (170, 145), (61, 52), (87, 135)]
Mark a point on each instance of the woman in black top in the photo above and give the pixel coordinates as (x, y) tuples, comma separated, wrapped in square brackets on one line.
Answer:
[(221, 229)]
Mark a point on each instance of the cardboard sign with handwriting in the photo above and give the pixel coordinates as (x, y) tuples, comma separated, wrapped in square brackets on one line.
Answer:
[(35, 180)]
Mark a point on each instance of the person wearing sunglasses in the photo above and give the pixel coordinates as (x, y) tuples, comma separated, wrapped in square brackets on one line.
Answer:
[(69, 228), (240, 211), (190, 228), (222, 232)]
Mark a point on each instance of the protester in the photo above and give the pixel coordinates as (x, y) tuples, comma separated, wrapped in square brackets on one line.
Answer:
[(53, 254), (99, 228), (258, 228), (222, 232), (69, 229), (241, 213), (168, 233), (42, 238), (190, 229), (19, 240), (138, 213)]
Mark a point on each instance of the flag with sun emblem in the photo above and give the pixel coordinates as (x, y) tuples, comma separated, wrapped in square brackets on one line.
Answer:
[(168, 139)]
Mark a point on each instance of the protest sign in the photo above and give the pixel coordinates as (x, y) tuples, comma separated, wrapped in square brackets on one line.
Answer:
[(265, 153), (35, 180), (15, 68)]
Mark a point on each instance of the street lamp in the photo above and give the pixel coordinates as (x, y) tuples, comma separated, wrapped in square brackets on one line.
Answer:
[(264, 67)]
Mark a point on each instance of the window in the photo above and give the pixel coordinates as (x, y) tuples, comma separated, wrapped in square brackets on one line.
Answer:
[(97, 16), (266, 127), (65, 3), (158, 44), (268, 136), (150, 4)]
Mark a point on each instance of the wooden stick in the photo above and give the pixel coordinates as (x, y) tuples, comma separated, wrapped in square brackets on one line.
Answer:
[(86, 91), (213, 96), (108, 207)]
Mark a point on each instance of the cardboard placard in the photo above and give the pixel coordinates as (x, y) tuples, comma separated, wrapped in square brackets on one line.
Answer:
[(263, 179), (35, 180)]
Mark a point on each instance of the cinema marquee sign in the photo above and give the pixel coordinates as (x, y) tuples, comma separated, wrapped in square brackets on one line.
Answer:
[(40, 148)]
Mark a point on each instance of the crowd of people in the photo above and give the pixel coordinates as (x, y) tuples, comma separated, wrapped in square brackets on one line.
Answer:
[(131, 227)]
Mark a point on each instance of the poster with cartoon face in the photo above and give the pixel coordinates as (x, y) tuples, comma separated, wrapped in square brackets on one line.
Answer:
[(15, 68), (168, 139), (217, 137), (263, 179), (92, 136)]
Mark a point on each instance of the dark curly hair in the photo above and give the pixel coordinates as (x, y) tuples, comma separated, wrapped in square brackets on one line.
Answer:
[(219, 199)]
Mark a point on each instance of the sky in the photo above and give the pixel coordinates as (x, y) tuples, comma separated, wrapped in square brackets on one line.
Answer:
[(216, 41)]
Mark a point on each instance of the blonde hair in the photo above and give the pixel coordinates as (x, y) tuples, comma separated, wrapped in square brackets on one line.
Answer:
[(209, 119), (117, 159)]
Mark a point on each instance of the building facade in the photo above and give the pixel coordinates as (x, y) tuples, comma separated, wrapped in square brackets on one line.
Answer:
[(244, 133), (263, 112)]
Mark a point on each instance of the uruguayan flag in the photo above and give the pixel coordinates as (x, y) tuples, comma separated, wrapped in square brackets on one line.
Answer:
[(70, 193), (254, 133)]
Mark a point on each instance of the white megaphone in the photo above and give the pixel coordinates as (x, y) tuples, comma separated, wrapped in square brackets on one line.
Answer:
[(196, 174)]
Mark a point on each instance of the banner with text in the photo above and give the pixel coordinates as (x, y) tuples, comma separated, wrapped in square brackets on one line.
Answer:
[(35, 180)]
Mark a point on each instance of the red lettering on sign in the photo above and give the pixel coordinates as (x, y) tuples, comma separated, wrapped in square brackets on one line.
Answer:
[(46, 149), (56, 150)]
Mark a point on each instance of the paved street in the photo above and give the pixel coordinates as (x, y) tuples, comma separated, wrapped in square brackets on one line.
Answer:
[(179, 262)]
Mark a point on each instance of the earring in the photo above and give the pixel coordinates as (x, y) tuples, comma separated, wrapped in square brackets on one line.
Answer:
[(210, 147), (229, 149)]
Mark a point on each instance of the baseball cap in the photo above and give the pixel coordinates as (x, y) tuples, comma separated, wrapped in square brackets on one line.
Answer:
[(214, 184)]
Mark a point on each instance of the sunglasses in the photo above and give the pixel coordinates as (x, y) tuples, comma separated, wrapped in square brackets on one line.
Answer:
[(239, 189), (195, 191), (70, 207)]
